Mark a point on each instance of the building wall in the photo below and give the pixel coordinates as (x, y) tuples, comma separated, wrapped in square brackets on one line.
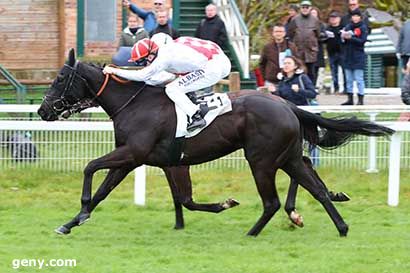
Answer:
[(29, 34), (37, 34)]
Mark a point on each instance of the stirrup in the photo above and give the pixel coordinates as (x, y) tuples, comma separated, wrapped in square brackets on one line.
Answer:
[(197, 121)]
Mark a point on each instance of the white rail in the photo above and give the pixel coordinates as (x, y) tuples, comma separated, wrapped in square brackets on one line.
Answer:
[(103, 132), (237, 31)]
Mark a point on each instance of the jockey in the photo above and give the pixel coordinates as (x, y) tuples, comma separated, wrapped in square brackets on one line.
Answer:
[(193, 63)]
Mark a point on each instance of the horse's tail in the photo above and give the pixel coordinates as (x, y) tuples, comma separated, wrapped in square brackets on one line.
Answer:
[(337, 131)]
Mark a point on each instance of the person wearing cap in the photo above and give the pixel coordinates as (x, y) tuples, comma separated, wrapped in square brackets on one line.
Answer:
[(149, 17), (184, 65), (334, 49), (304, 31), (354, 36), (347, 18)]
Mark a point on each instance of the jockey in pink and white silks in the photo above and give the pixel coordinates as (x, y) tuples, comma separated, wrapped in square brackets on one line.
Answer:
[(186, 64)]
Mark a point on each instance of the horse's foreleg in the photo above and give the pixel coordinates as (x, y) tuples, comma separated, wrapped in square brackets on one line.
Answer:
[(121, 163), (170, 173)]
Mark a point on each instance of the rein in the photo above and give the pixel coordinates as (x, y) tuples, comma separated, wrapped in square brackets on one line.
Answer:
[(117, 79), (107, 77)]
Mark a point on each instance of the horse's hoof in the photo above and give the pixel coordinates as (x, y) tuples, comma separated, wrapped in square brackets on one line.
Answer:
[(230, 203), (62, 230), (339, 197), (83, 218), (178, 227), (343, 231), (296, 218)]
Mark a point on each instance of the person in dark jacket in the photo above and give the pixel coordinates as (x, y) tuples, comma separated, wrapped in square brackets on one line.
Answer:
[(295, 86), (347, 18), (354, 37), (304, 31), (273, 54), (405, 88), (334, 49), (403, 44), (212, 27), (164, 26), (293, 10), (315, 12)]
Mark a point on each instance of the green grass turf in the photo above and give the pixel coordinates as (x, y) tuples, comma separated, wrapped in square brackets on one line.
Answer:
[(121, 237)]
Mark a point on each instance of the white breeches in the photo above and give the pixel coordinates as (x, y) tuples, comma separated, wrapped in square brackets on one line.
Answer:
[(217, 68)]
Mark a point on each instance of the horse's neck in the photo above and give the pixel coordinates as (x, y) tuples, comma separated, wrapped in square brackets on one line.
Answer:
[(136, 96), (115, 94)]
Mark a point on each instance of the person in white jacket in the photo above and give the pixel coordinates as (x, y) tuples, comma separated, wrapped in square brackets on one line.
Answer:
[(191, 63)]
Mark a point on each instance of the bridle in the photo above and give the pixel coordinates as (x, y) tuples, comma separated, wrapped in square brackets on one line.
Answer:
[(73, 104)]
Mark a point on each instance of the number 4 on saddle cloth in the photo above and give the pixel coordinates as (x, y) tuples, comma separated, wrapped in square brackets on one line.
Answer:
[(213, 104)]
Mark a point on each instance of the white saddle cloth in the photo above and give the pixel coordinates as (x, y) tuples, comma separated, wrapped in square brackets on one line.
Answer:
[(219, 100)]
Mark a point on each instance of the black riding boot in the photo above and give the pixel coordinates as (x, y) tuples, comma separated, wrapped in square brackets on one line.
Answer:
[(197, 121), (349, 99), (360, 102)]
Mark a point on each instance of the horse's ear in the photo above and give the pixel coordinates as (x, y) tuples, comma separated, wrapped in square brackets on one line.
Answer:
[(71, 57)]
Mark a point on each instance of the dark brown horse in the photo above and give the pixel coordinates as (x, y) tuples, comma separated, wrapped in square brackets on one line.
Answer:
[(269, 129)]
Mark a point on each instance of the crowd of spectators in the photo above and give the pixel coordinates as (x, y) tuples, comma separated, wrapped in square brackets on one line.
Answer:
[(343, 36), (304, 36)]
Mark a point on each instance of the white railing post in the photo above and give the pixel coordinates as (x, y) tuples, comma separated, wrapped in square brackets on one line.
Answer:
[(237, 32), (372, 152), (394, 170), (140, 185)]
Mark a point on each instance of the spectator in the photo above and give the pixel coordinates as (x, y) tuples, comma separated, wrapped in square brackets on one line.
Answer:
[(273, 54), (294, 85), (304, 31), (212, 27), (164, 26), (405, 88), (334, 50), (130, 35), (292, 11), (354, 36), (322, 38), (353, 5), (403, 45), (150, 21)]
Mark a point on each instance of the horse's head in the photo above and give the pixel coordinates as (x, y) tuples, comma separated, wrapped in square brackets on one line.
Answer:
[(67, 94)]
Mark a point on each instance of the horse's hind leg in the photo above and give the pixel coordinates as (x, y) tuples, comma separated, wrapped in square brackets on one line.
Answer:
[(264, 177), (181, 187), (298, 170), (290, 208)]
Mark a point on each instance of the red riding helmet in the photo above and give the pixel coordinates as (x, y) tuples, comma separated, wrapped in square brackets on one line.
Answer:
[(142, 49)]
